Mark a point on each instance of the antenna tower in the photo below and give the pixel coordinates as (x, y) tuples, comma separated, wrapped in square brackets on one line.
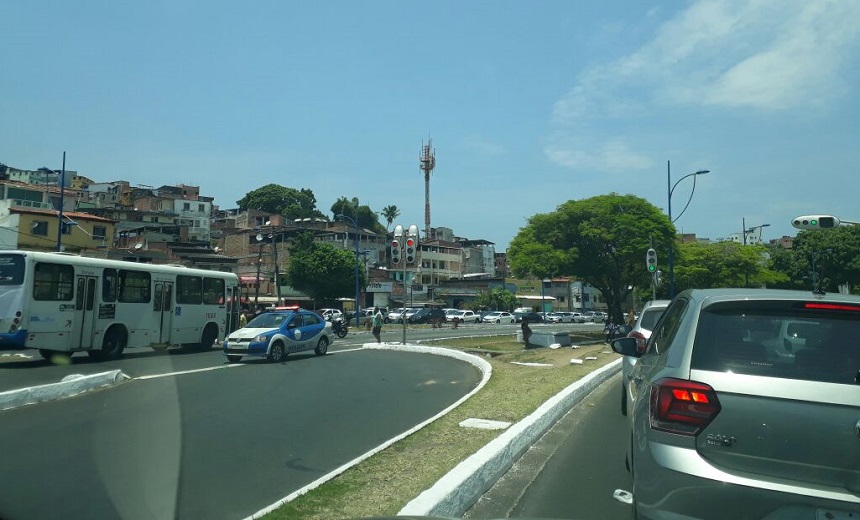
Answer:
[(427, 161)]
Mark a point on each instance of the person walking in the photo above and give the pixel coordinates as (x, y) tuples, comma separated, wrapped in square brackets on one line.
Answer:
[(527, 332), (377, 326), (631, 319), (607, 330), (243, 320)]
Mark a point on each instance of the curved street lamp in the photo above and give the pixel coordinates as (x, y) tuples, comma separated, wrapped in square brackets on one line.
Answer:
[(670, 190), (357, 261), (746, 231)]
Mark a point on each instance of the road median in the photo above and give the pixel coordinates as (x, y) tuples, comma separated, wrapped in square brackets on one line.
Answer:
[(529, 389), (71, 385)]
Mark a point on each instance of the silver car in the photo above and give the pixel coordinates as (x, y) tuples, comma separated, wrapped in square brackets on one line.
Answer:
[(724, 425), (641, 330)]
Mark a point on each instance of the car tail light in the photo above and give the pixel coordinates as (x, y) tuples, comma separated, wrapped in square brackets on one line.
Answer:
[(682, 407), (641, 340)]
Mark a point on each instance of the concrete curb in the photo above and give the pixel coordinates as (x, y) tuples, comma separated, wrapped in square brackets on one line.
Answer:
[(479, 363), (456, 492), (69, 386)]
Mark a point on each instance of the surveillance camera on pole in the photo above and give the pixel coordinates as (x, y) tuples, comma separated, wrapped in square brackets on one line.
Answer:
[(816, 222)]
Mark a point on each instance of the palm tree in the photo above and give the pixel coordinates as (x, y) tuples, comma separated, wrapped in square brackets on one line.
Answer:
[(389, 213)]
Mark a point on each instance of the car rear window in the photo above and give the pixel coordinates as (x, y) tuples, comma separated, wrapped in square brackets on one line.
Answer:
[(785, 339), (650, 317)]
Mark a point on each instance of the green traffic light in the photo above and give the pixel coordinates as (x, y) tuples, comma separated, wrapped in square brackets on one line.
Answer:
[(652, 268), (813, 222)]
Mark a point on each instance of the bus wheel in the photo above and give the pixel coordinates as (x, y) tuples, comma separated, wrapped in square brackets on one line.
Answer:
[(234, 359), (210, 334), (322, 347), (113, 344), (277, 352)]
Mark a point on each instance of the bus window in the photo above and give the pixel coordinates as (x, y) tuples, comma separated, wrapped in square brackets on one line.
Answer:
[(53, 282), (134, 286), (189, 290), (11, 269), (109, 285), (213, 291)]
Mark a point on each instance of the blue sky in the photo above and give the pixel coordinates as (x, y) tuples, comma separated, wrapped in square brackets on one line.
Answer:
[(529, 104)]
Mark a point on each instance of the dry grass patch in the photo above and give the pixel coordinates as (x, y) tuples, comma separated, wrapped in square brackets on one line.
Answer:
[(383, 484)]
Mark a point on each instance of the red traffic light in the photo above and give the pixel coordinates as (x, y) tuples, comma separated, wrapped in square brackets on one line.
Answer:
[(395, 244), (410, 242)]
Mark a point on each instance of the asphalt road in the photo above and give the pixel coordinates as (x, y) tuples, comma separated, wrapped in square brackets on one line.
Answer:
[(222, 443), (20, 369), (572, 471)]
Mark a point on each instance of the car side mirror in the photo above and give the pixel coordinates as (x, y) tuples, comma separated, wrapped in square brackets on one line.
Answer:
[(625, 346)]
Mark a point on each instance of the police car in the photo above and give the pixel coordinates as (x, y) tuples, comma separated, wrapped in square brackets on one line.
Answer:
[(278, 332)]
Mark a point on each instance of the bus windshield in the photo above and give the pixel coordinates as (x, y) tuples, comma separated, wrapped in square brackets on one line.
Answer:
[(11, 269)]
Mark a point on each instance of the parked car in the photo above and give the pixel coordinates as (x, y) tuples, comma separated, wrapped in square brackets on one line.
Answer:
[(498, 317), (594, 316), (394, 315), (717, 416), (427, 316), (409, 313), (578, 317), (463, 316), (641, 330), (331, 314), (532, 317), (274, 334), (559, 317)]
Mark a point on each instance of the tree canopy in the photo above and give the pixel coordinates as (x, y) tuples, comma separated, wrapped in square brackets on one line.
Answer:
[(836, 255), (362, 214), (497, 299), (276, 199), (722, 264), (322, 271), (601, 240)]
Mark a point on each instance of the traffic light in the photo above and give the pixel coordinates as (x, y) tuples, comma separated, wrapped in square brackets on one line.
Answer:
[(410, 250), (658, 277), (815, 222), (651, 260), (395, 251), (411, 244)]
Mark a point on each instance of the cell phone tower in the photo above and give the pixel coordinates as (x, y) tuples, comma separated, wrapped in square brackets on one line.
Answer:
[(427, 161)]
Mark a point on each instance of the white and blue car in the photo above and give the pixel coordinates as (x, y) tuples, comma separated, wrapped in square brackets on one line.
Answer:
[(274, 334)]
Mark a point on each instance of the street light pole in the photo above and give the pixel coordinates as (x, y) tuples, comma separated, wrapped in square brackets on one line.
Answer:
[(357, 285), (62, 184), (275, 253), (670, 188), (259, 262), (749, 230)]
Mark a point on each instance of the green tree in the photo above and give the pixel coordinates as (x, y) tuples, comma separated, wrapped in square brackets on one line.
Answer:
[(390, 213), (322, 271), (601, 240), (723, 264), (363, 215), (276, 199), (837, 259), (497, 299)]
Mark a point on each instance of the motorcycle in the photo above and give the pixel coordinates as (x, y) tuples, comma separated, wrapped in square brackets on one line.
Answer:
[(339, 327)]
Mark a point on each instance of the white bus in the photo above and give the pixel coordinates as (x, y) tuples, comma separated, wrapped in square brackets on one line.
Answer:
[(60, 303)]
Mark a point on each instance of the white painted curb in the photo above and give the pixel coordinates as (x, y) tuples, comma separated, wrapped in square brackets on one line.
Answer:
[(71, 385), (457, 491), (479, 363)]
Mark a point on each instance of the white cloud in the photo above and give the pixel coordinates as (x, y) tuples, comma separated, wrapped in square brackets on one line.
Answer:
[(763, 54), (613, 156)]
